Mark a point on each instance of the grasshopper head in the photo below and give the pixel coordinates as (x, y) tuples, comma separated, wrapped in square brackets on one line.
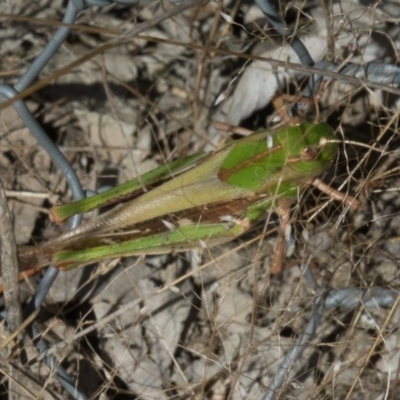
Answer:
[(308, 147)]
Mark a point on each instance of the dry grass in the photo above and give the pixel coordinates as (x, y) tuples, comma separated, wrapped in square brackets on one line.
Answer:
[(215, 326)]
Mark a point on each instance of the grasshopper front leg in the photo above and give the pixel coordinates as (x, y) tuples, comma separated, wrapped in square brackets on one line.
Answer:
[(283, 210)]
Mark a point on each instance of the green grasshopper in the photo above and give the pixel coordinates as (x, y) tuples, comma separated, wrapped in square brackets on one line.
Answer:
[(202, 201)]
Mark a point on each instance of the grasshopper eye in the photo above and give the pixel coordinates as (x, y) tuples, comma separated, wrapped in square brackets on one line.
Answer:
[(309, 153)]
